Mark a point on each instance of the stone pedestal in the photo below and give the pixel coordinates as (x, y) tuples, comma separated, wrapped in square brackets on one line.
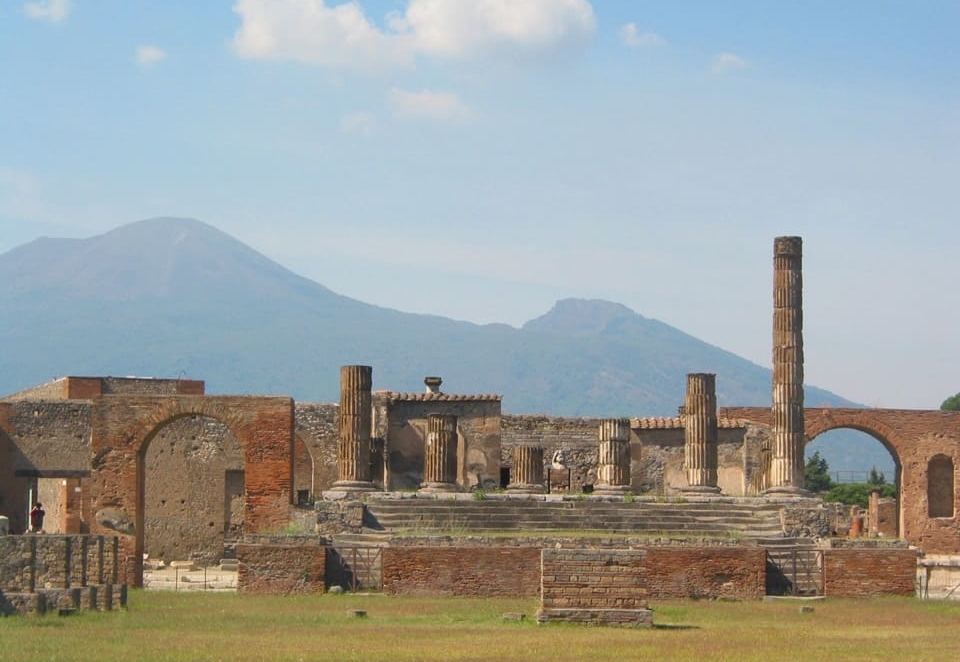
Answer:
[(700, 434), (353, 447), (787, 464), (527, 470), (613, 466), (440, 467)]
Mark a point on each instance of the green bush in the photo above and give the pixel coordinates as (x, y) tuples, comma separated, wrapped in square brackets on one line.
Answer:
[(857, 494)]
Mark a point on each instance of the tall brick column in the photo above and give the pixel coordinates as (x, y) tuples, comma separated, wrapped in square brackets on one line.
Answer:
[(527, 470), (440, 466), (786, 468), (700, 433), (353, 447), (613, 467)]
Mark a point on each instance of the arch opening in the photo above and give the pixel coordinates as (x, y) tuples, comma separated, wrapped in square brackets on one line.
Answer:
[(191, 490), (863, 472)]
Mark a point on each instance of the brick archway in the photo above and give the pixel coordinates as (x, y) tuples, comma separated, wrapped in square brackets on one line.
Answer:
[(123, 426), (913, 437)]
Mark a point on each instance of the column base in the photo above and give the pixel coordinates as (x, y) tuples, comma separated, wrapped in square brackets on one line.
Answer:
[(438, 488), (787, 490), (354, 486), (612, 490), (700, 489), (526, 488)]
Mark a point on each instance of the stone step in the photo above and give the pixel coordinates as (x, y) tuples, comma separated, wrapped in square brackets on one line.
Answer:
[(554, 515)]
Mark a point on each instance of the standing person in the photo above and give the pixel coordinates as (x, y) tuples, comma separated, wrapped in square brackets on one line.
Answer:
[(36, 517)]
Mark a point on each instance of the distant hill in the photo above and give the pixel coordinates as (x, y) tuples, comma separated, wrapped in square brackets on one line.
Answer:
[(172, 296)]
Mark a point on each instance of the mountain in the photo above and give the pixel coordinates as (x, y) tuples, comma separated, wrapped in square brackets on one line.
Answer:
[(177, 297)]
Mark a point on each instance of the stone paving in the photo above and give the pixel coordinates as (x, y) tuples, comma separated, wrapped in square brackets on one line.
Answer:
[(213, 578)]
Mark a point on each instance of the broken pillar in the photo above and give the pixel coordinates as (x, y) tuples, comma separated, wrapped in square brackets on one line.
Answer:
[(440, 466), (700, 434), (613, 466), (353, 446), (527, 470)]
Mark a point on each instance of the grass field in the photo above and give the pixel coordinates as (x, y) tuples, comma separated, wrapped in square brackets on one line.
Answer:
[(161, 625)]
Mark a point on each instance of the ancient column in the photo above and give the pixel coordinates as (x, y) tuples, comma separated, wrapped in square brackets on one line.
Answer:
[(440, 465), (786, 467), (527, 470), (700, 434), (613, 467), (353, 447)]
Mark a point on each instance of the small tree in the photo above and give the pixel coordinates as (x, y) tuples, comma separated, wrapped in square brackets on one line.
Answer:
[(816, 474), (876, 477), (952, 403)]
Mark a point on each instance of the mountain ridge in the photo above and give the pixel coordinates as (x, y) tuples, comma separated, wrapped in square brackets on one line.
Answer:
[(174, 295)]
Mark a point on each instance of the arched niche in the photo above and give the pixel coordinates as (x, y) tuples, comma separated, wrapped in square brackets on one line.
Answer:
[(940, 481)]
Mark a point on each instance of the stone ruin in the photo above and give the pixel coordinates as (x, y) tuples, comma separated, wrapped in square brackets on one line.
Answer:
[(175, 473)]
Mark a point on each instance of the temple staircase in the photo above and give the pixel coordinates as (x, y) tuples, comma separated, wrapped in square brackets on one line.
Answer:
[(730, 519)]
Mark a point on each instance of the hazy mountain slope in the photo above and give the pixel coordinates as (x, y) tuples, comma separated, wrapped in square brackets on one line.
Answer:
[(165, 297)]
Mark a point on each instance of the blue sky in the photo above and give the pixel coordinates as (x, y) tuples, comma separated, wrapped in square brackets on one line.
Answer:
[(480, 160)]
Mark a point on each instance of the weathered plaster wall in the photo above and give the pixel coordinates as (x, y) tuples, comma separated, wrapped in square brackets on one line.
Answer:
[(656, 451), (400, 420), (316, 428), (189, 504)]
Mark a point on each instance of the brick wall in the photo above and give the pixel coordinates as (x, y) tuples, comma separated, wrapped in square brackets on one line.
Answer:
[(281, 565), (913, 437), (122, 426), (604, 587), (867, 573), (461, 571), (706, 572), (594, 578)]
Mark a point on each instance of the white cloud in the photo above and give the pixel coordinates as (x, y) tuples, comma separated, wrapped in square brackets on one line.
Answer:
[(524, 28), (309, 31), (50, 10), (634, 38), (341, 36), (359, 123), (725, 62), (147, 55), (428, 105)]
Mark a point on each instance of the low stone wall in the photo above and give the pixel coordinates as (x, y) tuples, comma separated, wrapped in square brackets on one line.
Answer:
[(869, 572), (601, 587), (706, 572), (281, 565), (938, 577), (39, 573), (461, 571)]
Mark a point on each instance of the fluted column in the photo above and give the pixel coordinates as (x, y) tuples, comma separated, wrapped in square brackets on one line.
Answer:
[(353, 446), (700, 433), (440, 462), (527, 470), (786, 467), (613, 466)]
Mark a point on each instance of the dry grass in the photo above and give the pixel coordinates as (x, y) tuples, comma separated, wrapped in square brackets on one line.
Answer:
[(223, 626)]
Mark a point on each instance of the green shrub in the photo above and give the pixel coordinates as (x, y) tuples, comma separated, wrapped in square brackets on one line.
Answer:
[(857, 494)]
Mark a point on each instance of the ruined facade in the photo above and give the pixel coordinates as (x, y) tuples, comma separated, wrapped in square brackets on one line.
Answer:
[(176, 473)]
